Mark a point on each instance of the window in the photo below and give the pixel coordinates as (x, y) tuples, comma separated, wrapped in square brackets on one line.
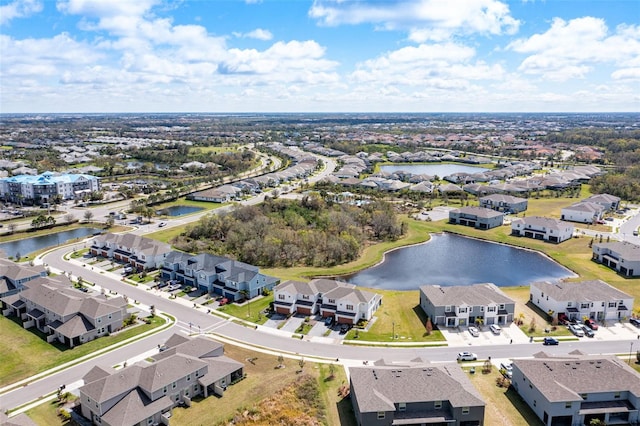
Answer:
[(569, 304), (447, 309), (583, 395), (437, 404), (465, 410), (584, 306), (305, 297), (491, 308), (567, 405), (612, 304), (349, 307), (535, 403), (174, 385), (164, 389), (188, 377), (150, 420), (402, 406), (616, 395), (380, 415), (501, 307), (332, 301), (462, 310), (281, 297), (481, 308)]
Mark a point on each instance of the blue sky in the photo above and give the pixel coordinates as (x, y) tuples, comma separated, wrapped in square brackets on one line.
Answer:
[(319, 56)]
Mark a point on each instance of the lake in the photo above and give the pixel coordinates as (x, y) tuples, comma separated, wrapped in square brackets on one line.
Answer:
[(449, 259), (30, 245), (179, 210), (439, 170)]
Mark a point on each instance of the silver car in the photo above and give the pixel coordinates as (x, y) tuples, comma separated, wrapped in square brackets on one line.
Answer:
[(576, 330), (474, 331)]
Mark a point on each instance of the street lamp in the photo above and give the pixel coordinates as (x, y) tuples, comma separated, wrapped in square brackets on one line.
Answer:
[(630, 351), (393, 336)]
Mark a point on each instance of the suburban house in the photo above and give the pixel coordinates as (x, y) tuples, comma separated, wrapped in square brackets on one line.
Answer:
[(466, 305), (221, 194), (621, 256), (41, 188), (140, 252), (576, 389), (576, 300), (342, 301), (144, 393), (609, 202), (414, 393), (64, 313), (477, 217), (504, 203), (542, 228), (583, 212), (13, 276), (216, 274)]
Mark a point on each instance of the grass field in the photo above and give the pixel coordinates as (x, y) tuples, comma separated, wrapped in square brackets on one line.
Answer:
[(249, 311), (25, 352), (264, 380)]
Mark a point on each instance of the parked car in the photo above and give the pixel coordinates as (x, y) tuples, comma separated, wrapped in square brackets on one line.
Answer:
[(474, 331), (635, 321), (576, 329), (562, 319), (508, 369), (344, 328), (161, 224), (172, 287), (550, 341), (495, 328), (591, 324), (587, 331), (328, 321), (162, 284), (467, 356)]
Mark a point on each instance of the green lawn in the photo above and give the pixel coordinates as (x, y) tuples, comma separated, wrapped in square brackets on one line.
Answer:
[(252, 312), (25, 352)]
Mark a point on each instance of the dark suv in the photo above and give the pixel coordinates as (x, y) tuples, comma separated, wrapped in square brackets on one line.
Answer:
[(550, 341)]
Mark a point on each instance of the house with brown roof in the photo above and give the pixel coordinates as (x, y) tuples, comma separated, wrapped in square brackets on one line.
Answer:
[(342, 301), (542, 228), (414, 393), (593, 299), (140, 252), (65, 314), (577, 389), (453, 306), (146, 392), (621, 256), (476, 217)]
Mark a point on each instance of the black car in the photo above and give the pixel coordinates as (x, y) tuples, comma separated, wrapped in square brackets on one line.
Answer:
[(328, 321), (344, 328), (550, 341), (635, 321)]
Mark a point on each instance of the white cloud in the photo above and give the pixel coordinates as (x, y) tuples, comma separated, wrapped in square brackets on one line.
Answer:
[(572, 49), (19, 9), (626, 74), (258, 34), (422, 18)]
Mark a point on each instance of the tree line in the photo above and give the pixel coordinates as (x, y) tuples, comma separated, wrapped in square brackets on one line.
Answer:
[(285, 233)]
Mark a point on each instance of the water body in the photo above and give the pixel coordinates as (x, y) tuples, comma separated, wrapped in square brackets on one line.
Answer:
[(440, 170), (29, 245), (179, 210), (449, 260)]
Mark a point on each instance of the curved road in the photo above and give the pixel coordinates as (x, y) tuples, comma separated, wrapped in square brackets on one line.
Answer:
[(267, 339)]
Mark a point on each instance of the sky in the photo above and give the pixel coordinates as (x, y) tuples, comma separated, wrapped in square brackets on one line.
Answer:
[(95, 56)]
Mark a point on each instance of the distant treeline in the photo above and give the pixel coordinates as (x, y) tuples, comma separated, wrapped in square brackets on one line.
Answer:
[(283, 233)]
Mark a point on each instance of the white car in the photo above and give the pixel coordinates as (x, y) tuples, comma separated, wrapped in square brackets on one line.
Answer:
[(474, 331), (467, 356), (172, 287), (495, 328), (508, 369)]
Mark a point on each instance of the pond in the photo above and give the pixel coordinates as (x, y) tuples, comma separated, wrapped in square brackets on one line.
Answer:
[(30, 245), (449, 259), (439, 170), (179, 210)]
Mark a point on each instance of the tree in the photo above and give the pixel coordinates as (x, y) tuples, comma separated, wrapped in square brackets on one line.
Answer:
[(429, 327), (11, 227), (68, 218), (88, 215)]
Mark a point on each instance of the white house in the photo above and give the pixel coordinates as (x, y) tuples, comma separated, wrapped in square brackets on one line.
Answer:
[(542, 228), (592, 299), (583, 212), (621, 256)]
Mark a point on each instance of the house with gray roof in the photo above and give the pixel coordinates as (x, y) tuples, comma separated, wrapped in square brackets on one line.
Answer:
[(583, 212), (453, 306), (145, 392), (593, 299), (542, 228), (329, 298), (13, 276), (504, 203), (608, 201), (476, 217), (414, 393), (576, 389), (216, 274), (140, 252), (63, 313), (621, 256)]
